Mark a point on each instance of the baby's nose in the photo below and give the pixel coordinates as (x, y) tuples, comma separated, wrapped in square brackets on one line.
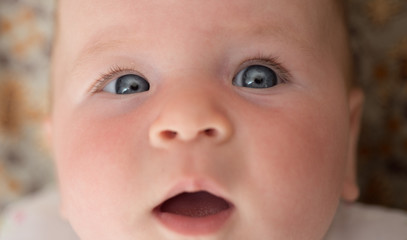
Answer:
[(188, 117)]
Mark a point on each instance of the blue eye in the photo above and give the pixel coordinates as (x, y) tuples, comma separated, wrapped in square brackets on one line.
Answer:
[(256, 76), (127, 84)]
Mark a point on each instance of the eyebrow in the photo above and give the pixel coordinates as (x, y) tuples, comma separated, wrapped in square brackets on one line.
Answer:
[(95, 46), (99, 44)]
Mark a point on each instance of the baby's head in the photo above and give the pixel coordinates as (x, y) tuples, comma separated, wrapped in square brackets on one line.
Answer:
[(203, 119)]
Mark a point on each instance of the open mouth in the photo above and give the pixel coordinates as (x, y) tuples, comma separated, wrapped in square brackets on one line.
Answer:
[(197, 204), (194, 213)]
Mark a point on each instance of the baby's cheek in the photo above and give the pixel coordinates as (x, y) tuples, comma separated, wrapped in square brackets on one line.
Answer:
[(98, 160), (296, 167), (318, 155)]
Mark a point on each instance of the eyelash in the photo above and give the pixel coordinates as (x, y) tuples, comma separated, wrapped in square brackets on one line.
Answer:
[(268, 61), (272, 62), (114, 72)]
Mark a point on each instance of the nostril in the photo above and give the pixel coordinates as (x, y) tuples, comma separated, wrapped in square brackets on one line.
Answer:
[(168, 135), (210, 132)]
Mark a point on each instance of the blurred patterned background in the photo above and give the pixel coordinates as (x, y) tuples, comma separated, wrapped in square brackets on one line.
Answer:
[(379, 38)]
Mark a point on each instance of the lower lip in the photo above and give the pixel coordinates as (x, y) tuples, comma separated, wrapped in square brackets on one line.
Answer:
[(194, 225)]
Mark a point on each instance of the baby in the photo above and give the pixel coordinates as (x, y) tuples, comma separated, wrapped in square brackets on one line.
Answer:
[(203, 119)]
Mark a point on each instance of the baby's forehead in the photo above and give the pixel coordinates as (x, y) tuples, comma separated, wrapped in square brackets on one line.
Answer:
[(242, 12), (81, 23), (298, 19)]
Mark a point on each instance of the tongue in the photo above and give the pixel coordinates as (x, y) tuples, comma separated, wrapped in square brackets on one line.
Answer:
[(198, 204)]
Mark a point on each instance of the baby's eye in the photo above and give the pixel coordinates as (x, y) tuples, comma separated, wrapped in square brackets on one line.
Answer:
[(256, 76), (127, 84)]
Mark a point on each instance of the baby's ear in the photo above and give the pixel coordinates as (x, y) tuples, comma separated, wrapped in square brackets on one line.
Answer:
[(350, 191)]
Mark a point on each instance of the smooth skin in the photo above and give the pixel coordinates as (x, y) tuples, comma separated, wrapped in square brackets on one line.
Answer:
[(284, 155)]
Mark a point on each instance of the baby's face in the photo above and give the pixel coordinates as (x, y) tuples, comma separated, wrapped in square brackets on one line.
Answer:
[(240, 105)]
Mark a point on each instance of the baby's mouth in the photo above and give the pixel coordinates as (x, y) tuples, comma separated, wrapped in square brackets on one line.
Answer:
[(194, 213), (196, 204)]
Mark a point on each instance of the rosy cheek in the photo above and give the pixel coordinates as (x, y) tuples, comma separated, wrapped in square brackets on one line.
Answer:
[(87, 161), (299, 155), (105, 149)]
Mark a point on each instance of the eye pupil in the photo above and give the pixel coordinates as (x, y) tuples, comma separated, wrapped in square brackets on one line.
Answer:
[(134, 87), (258, 80)]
